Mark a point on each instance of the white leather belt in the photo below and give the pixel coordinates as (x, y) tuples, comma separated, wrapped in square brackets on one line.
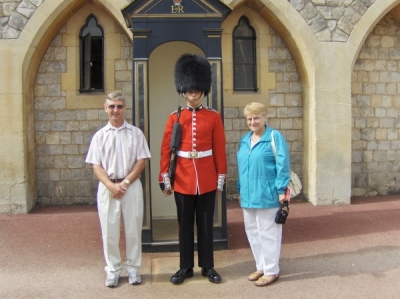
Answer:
[(195, 154)]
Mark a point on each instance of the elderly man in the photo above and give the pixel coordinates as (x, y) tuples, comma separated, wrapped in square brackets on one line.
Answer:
[(118, 153)]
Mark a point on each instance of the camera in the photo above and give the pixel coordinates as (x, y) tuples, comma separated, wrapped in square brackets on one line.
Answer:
[(282, 214)]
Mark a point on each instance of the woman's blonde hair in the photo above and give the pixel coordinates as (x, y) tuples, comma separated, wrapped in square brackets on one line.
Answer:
[(255, 108)]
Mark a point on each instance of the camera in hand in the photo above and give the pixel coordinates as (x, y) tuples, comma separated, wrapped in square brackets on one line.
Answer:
[(282, 214)]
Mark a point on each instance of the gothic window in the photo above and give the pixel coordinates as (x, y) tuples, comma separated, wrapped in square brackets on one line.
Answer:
[(244, 57), (91, 39)]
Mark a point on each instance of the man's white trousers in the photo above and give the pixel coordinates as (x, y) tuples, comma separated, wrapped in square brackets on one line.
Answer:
[(130, 206), (265, 238)]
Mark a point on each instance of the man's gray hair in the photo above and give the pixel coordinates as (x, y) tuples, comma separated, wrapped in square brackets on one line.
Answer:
[(115, 95)]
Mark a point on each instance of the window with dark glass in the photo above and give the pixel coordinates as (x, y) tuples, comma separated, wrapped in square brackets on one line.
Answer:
[(91, 56), (244, 57)]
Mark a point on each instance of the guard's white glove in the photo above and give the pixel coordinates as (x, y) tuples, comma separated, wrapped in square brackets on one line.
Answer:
[(220, 182)]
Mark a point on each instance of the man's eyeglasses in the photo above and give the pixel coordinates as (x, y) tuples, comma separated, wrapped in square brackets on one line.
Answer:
[(112, 107)]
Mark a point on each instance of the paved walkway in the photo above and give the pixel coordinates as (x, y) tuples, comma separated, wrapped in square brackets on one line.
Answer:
[(328, 252)]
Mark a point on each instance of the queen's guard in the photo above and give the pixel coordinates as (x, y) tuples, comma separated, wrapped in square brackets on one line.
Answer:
[(193, 165)]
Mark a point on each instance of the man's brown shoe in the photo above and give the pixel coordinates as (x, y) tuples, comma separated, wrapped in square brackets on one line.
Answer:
[(266, 280)]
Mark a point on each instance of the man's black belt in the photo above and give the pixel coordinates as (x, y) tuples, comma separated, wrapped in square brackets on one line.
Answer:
[(116, 180)]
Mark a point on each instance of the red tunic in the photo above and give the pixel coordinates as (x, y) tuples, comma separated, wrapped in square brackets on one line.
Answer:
[(202, 130)]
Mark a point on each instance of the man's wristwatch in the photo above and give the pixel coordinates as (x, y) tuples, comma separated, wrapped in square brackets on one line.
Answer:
[(126, 181)]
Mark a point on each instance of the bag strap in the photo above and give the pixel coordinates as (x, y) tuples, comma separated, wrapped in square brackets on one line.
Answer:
[(285, 204)]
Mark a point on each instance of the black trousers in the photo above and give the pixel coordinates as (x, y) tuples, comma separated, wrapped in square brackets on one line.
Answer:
[(201, 208)]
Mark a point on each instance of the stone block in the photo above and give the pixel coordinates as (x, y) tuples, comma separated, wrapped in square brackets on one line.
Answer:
[(75, 161), (282, 112), (360, 123), (44, 162), (376, 180), (56, 149), (274, 123), (367, 156), (383, 145), (239, 124), (358, 168), (372, 145), (392, 134), (369, 88), (356, 156), (367, 112), (58, 126), (286, 124), (60, 53), (45, 189), (97, 125), (92, 114), (387, 122), (81, 115), (66, 115), (392, 155), (380, 112), (228, 124), (367, 134), (379, 156), (65, 138), (65, 174), (380, 88), (42, 175), (77, 138), (77, 174), (43, 115), (70, 150), (282, 87), (84, 189), (232, 136), (54, 90), (40, 138), (372, 122), (60, 162), (392, 112), (381, 134), (368, 53), (277, 100), (376, 100), (52, 138), (391, 88), (271, 112), (58, 103), (54, 175), (292, 135)]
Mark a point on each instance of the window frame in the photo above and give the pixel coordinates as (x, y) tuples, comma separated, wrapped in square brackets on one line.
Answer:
[(86, 60), (253, 63)]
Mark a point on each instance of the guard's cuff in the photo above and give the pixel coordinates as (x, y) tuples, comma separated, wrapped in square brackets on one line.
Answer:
[(220, 182), (166, 183)]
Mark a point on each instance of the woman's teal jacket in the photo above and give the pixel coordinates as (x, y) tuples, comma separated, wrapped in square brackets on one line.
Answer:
[(261, 178)]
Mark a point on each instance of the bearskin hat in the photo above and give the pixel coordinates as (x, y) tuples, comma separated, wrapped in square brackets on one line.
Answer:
[(192, 72)]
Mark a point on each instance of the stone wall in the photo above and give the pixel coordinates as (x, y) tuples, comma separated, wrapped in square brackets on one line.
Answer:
[(14, 14), (375, 113), (284, 113), (63, 135), (332, 20)]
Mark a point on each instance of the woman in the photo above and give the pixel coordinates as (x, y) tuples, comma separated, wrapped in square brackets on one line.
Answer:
[(262, 183)]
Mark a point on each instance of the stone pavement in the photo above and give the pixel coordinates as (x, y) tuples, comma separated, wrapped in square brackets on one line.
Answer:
[(327, 252)]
